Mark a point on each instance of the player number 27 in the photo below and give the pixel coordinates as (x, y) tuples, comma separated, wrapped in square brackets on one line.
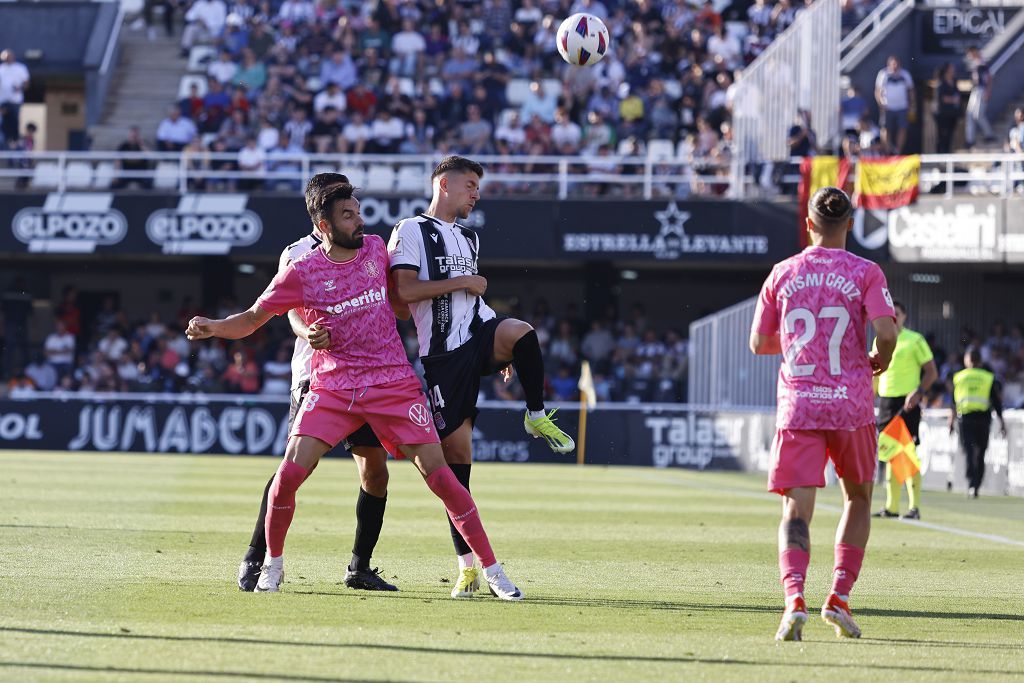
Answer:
[(810, 325)]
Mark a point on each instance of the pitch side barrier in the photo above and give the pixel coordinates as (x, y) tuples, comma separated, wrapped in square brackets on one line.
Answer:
[(646, 435)]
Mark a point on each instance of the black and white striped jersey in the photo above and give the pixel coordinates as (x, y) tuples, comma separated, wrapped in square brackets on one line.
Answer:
[(438, 251), (302, 355)]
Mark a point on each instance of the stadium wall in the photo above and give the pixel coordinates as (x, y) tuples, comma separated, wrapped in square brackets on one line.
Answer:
[(649, 435)]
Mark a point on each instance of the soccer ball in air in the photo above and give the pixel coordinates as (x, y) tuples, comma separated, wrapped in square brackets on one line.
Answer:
[(582, 39)]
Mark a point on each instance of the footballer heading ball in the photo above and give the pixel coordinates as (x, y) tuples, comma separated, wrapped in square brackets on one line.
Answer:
[(582, 39)]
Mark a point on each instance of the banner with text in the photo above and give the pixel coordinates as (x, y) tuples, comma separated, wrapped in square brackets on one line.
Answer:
[(660, 436), (524, 230)]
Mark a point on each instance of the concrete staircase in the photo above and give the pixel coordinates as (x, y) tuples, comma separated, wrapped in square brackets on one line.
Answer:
[(146, 83)]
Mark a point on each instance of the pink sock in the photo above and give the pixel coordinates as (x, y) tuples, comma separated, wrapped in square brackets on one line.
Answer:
[(281, 504), (793, 569), (462, 511), (848, 561)]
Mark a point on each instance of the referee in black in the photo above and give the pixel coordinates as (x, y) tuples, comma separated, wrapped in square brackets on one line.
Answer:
[(976, 394)]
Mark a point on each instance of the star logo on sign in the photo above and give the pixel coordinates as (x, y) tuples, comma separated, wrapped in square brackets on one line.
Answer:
[(672, 220)]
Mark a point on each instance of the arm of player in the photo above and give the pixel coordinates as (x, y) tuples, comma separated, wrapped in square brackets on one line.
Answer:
[(318, 336), (886, 333), (879, 308), (765, 344), (235, 326), (764, 333), (400, 309), (410, 289)]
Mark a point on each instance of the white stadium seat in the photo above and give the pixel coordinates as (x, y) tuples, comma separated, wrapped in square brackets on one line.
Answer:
[(407, 87), (380, 178), (356, 174), (78, 175), (412, 179), (661, 149), (199, 58), (104, 175), (552, 87), (165, 177), (186, 82), (46, 174), (516, 91)]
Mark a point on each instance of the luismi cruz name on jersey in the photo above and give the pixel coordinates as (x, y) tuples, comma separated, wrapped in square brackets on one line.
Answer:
[(205, 224), (671, 241)]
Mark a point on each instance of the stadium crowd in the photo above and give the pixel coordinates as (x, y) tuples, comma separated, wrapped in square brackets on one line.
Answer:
[(111, 351), (412, 76), (632, 358)]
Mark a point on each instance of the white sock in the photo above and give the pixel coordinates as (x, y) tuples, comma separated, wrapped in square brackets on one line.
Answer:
[(535, 414), (276, 562), (492, 571), (467, 560), (791, 598)]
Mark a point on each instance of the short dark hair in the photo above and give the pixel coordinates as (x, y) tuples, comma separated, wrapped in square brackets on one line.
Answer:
[(830, 209), (323, 190), (457, 163), (974, 353), (316, 185), (900, 306)]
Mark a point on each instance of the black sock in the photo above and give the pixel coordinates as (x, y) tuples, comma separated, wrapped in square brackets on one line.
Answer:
[(461, 473), (529, 364), (258, 545), (369, 520)]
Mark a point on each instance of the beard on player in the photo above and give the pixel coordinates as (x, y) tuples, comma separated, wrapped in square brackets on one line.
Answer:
[(354, 240)]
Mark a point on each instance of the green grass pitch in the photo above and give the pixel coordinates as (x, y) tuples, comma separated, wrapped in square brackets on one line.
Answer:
[(122, 568)]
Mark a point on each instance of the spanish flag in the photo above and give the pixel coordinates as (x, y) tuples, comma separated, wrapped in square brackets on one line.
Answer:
[(886, 182), (816, 173), (896, 447)]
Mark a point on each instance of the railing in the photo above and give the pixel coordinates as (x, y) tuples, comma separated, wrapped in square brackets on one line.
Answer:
[(651, 176), (658, 174), (722, 370), (881, 19), (798, 72)]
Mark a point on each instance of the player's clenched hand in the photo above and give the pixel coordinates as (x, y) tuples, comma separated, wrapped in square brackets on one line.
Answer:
[(199, 328), (878, 365), (318, 336), (475, 284)]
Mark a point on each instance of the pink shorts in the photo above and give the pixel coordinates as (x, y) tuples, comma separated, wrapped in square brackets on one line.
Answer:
[(397, 412), (799, 456)]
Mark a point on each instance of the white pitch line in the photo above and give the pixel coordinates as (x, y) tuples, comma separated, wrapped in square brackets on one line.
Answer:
[(835, 508)]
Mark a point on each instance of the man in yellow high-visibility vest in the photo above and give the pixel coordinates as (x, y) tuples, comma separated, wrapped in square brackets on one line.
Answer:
[(976, 394), (900, 390)]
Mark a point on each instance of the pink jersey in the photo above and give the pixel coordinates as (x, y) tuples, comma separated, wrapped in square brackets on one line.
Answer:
[(351, 298), (819, 302)]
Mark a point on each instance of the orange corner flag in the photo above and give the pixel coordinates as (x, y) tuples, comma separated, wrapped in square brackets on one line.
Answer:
[(896, 447)]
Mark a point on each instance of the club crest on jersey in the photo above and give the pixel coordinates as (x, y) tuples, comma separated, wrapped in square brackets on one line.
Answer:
[(371, 269), (419, 415), (329, 285)]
